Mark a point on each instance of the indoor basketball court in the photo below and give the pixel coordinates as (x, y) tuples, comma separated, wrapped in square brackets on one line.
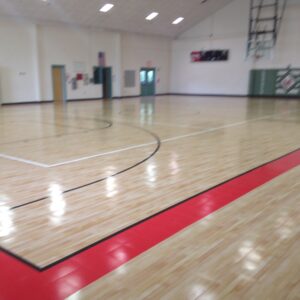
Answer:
[(149, 149)]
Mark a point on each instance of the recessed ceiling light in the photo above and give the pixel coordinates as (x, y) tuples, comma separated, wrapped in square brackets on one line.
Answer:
[(177, 21), (152, 16), (46, 2), (106, 7)]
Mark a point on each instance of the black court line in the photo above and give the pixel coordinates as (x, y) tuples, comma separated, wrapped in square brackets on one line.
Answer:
[(21, 259), (84, 130), (63, 125), (41, 269), (68, 126), (158, 144)]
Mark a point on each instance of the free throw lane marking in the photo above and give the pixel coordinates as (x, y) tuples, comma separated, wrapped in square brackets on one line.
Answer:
[(22, 160)]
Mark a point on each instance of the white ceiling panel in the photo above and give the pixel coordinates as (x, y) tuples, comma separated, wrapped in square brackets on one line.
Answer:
[(126, 15)]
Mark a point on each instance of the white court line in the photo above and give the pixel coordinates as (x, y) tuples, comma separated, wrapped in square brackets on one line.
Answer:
[(213, 129), (136, 146), (100, 154), (29, 162), (173, 125), (163, 141)]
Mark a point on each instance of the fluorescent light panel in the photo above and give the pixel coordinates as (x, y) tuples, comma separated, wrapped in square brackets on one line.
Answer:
[(106, 7), (152, 16), (178, 20)]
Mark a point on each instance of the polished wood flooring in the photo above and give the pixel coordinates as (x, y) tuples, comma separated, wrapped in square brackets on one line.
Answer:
[(71, 176), (247, 250)]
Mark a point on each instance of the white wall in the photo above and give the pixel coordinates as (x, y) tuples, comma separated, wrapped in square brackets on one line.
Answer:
[(62, 45), (228, 29), (28, 52), (288, 46), (18, 69), (146, 51)]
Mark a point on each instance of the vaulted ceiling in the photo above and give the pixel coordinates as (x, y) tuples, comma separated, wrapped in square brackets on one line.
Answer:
[(127, 15)]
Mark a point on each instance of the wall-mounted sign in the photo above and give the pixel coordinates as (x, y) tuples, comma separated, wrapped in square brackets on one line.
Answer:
[(210, 55), (79, 76)]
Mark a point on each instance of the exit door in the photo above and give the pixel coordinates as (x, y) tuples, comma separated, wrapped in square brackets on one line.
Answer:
[(147, 79)]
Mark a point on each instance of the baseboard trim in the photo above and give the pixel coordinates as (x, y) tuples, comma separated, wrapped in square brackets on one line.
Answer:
[(209, 95), (26, 103), (159, 95), (236, 96), (275, 96), (80, 99), (126, 97)]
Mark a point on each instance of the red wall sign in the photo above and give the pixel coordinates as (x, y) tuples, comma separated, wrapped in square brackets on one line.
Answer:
[(196, 56), (210, 55)]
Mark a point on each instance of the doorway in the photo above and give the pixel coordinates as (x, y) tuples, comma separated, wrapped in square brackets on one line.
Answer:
[(107, 83), (59, 84), (147, 79), (103, 75)]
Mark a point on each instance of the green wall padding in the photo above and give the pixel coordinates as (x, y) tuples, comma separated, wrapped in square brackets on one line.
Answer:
[(275, 82)]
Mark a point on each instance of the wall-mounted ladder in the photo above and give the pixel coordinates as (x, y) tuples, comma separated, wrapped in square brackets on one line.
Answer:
[(264, 25)]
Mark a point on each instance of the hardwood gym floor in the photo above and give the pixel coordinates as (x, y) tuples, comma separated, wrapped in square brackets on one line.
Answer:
[(73, 175), (247, 250)]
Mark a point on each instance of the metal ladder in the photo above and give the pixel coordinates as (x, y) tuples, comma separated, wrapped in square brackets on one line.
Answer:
[(264, 26)]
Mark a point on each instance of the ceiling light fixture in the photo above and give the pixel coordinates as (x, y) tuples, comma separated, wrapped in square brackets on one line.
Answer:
[(105, 8), (178, 20), (46, 1), (152, 16)]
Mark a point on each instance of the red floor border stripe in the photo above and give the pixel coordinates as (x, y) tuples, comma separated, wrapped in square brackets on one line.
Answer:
[(62, 280)]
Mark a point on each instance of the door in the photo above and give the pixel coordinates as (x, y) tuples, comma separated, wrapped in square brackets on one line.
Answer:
[(59, 84), (107, 83), (147, 79)]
